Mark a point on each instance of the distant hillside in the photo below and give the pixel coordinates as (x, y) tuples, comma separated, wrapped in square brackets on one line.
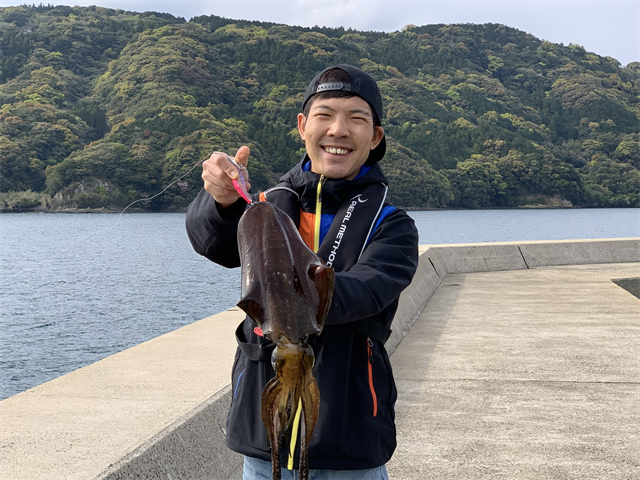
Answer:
[(101, 107)]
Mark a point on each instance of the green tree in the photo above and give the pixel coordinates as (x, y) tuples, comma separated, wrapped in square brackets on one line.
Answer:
[(412, 181), (113, 105), (612, 184), (476, 184)]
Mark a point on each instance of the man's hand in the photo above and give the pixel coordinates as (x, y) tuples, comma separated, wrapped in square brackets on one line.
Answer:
[(218, 173)]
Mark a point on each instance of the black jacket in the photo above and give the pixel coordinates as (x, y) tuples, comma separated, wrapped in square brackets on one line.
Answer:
[(355, 428)]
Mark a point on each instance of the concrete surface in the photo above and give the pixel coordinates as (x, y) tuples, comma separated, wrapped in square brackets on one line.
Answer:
[(414, 298), (579, 252), (487, 257), (193, 447), (507, 374), (104, 419), (437, 261), (527, 374)]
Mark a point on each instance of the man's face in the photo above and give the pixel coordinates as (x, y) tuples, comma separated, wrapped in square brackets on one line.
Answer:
[(339, 134)]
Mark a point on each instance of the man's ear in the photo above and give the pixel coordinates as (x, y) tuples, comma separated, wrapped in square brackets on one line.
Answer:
[(302, 120), (378, 133)]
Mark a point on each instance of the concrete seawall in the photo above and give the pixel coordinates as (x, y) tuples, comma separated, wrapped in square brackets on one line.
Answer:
[(438, 261), (158, 410)]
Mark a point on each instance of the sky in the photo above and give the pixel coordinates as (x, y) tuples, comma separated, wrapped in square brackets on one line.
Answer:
[(608, 28)]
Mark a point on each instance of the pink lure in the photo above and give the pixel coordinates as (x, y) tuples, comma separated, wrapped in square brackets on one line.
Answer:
[(239, 184)]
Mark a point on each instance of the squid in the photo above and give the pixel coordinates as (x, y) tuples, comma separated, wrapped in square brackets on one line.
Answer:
[(287, 290)]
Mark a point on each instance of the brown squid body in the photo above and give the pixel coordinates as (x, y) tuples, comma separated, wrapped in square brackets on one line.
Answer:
[(287, 290)]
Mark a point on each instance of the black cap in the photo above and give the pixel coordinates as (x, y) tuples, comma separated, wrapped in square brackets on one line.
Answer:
[(362, 85)]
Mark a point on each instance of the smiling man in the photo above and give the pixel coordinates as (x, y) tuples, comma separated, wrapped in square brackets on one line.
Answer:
[(339, 134), (336, 196)]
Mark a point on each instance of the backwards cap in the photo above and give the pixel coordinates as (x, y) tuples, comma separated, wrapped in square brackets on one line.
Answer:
[(361, 85)]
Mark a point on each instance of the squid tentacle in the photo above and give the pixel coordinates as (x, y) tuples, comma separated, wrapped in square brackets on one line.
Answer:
[(271, 420), (310, 408)]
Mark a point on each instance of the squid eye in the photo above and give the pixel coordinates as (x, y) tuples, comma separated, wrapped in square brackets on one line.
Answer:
[(277, 356), (309, 356)]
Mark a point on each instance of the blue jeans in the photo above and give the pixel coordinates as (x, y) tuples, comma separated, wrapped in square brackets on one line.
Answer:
[(256, 469)]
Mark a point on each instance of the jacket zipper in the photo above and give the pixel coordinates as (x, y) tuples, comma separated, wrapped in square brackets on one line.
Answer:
[(318, 217), (370, 366)]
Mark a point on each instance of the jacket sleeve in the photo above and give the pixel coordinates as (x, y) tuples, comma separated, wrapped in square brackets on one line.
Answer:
[(385, 268), (213, 233)]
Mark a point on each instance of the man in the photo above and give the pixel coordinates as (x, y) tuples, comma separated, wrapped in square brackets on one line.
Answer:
[(336, 197)]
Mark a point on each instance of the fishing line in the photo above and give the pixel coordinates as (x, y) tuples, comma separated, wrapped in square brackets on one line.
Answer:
[(106, 229), (165, 188), (140, 200)]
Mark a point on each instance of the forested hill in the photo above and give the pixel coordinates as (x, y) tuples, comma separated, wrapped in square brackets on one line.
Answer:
[(102, 107)]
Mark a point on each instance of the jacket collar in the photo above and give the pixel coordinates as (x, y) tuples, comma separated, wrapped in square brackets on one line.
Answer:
[(305, 182)]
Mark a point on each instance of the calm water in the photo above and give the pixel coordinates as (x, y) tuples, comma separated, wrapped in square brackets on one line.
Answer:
[(75, 288)]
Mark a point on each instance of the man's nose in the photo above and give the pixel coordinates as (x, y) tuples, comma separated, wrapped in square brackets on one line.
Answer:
[(339, 127)]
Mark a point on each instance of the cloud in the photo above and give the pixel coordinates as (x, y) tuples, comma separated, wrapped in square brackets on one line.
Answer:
[(609, 28), (349, 14)]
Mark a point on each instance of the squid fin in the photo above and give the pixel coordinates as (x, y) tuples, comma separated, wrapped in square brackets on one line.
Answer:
[(323, 279)]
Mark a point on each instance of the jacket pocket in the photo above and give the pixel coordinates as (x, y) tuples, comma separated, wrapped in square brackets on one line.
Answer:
[(374, 396)]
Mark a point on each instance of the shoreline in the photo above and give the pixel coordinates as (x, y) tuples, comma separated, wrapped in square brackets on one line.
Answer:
[(93, 210), (408, 209)]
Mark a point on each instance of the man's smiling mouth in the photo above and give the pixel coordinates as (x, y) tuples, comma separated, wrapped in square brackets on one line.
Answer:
[(336, 150)]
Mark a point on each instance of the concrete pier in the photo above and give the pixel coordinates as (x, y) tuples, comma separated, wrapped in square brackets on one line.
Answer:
[(515, 360), (528, 374)]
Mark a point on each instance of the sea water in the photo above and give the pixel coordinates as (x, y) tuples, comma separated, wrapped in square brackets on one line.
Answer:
[(75, 288)]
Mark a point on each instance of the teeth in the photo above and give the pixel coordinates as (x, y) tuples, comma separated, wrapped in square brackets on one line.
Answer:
[(337, 151)]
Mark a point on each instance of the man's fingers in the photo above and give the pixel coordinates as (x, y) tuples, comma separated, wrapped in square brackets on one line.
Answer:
[(217, 176), (242, 156), (218, 173), (220, 184), (219, 163)]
